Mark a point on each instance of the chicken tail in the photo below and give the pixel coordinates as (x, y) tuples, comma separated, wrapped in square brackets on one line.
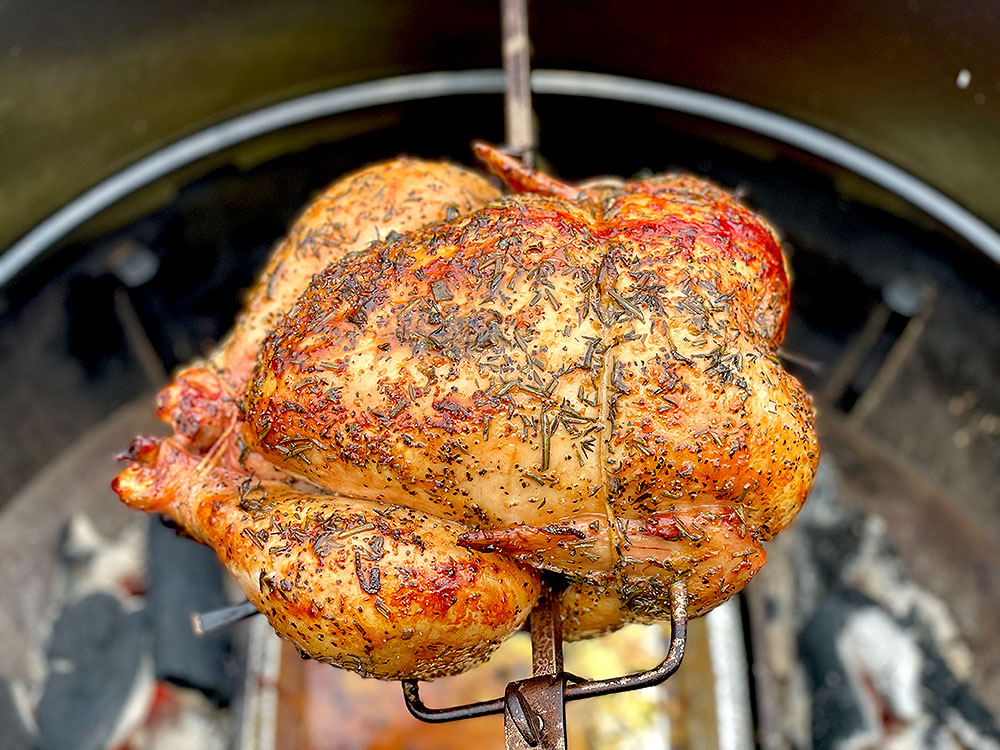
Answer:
[(521, 178)]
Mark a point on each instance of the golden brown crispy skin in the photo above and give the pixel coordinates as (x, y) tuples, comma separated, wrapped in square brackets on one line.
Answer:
[(577, 380), (710, 543)]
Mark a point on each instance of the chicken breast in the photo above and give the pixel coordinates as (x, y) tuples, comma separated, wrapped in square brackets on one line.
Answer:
[(581, 381)]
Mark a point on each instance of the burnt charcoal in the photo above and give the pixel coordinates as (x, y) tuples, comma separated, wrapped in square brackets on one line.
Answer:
[(873, 677), (185, 577), (78, 542), (93, 660), (14, 735)]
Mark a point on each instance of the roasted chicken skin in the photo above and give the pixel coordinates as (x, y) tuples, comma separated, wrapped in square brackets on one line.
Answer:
[(582, 381)]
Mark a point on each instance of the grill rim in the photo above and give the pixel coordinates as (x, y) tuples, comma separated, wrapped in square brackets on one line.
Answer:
[(572, 83)]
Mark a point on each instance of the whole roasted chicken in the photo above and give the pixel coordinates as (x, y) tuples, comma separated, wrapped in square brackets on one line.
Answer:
[(436, 391)]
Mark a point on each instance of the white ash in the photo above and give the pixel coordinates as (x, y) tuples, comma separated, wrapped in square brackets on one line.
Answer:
[(136, 707), (95, 563), (966, 734), (98, 563), (882, 658), (877, 572)]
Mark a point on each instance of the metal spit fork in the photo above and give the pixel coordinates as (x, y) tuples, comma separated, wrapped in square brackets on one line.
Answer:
[(534, 709)]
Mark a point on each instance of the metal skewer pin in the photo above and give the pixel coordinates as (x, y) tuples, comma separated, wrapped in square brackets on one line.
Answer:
[(518, 115), (206, 623)]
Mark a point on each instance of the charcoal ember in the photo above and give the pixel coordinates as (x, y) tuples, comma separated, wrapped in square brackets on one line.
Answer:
[(14, 731), (94, 672), (185, 577), (98, 563)]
